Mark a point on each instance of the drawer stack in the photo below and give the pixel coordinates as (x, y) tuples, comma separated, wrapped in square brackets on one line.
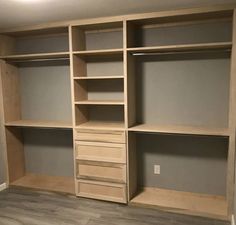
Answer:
[(101, 164)]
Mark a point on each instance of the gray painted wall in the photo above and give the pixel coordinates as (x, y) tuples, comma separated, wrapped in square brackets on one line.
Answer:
[(40, 44), (183, 90), (185, 34), (45, 95), (49, 152), (45, 92)]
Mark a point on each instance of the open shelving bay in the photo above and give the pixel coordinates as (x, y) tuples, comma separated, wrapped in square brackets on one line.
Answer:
[(90, 108)]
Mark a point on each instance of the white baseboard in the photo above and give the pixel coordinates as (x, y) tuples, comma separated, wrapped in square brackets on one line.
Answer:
[(3, 186), (232, 220)]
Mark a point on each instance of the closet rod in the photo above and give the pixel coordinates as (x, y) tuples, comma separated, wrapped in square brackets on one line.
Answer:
[(39, 60), (179, 52)]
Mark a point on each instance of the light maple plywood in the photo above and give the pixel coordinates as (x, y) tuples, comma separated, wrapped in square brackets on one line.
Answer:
[(48, 183), (39, 124), (99, 102), (107, 52), (36, 56), (191, 130), (232, 126), (102, 125), (100, 135), (100, 151), (182, 48), (101, 171), (183, 202), (102, 190), (98, 77)]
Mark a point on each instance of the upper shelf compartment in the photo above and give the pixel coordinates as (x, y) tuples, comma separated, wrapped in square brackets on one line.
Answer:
[(35, 44), (175, 30), (97, 37)]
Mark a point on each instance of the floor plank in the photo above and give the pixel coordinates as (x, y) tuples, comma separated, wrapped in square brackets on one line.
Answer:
[(22, 206)]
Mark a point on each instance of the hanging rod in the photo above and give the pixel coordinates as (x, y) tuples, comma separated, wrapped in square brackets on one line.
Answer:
[(179, 52), (38, 60)]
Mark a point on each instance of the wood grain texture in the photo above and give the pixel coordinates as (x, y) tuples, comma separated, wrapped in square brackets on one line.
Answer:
[(232, 125), (39, 124), (192, 130), (43, 182), (183, 202), (22, 206)]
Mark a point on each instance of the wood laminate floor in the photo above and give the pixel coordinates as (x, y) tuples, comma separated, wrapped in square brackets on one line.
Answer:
[(19, 206)]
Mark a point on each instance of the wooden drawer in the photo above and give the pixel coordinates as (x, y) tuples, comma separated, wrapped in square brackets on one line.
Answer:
[(99, 151), (100, 136), (102, 191), (101, 171)]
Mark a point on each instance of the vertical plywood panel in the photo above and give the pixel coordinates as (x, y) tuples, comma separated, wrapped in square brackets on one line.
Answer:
[(232, 125)]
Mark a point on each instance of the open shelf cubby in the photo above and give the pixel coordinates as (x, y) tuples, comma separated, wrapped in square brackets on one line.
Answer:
[(179, 31), (95, 66), (41, 159), (100, 116), (180, 93), (97, 37), (193, 172), (37, 94), (38, 43), (110, 90)]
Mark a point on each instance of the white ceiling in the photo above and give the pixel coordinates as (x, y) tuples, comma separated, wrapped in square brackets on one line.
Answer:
[(16, 13)]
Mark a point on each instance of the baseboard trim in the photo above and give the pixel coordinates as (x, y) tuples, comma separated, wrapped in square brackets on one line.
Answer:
[(3, 186), (232, 220)]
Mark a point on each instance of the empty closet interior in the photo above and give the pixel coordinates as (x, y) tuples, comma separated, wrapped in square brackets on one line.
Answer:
[(138, 110)]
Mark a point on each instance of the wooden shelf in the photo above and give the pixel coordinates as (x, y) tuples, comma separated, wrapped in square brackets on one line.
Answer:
[(182, 48), (191, 130), (39, 124), (54, 55), (183, 202), (48, 183), (99, 78), (102, 125), (106, 52), (98, 102)]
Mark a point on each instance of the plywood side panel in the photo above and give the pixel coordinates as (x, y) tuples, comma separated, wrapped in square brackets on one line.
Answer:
[(232, 125), (11, 92), (15, 154), (132, 166), (3, 146)]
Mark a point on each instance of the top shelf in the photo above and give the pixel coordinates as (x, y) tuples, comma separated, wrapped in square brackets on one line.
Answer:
[(181, 48), (106, 52), (187, 130), (39, 56)]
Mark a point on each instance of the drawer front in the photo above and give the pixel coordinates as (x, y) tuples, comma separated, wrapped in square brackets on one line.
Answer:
[(100, 136), (101, 171), (98, 151), (102, 190)]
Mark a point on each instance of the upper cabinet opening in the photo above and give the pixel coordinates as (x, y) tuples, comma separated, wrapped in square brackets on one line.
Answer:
[(97, 36), (179, 31), (54, 40)]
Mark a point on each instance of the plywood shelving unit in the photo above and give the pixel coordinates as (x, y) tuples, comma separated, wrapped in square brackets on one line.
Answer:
[(145, 89), (34, 79)]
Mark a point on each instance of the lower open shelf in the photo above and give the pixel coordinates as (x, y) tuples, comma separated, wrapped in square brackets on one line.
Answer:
[(39, 124), (47, 183), (211, 206)]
